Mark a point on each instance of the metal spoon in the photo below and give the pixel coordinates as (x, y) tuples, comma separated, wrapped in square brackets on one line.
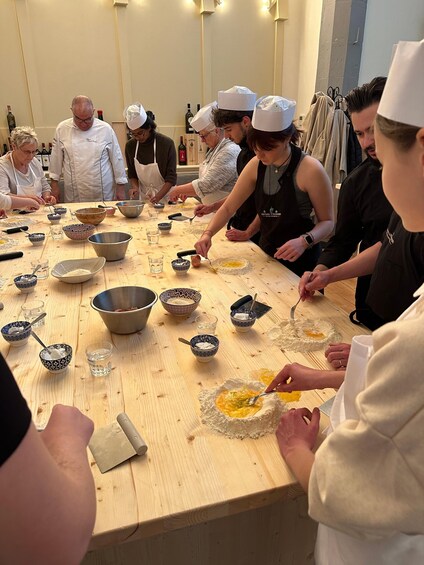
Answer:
[(20, 329), (186, 342), (253, 303), (35, 336), (252, 401), (293, 308)]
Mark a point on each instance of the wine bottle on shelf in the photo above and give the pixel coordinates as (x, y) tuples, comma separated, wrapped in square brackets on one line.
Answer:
[(50, 148), (11, 122), (182, 152), (188, 115), (100, 115), (198, 107), (38, 157), (4, 149), (45, 159)]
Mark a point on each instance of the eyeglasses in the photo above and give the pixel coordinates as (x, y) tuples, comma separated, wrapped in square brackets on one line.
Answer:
[(83, 121), (27, 152), (205, 135), (139, 132)]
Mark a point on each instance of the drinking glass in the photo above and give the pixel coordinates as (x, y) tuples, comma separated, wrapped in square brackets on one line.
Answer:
[(152, 236), (206, 324), (43, 271), (56, 232), (32, 310), (155, 263), (99, 358)]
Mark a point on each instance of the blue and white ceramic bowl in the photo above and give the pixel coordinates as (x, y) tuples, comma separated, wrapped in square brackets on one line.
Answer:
[(79, 232), (11, 334), (165, 227), (54, 218), (243, 320), (204, 347), (180, 266), (37, 238), (26, 283), (180, 301), (57, 357), (60, 210)]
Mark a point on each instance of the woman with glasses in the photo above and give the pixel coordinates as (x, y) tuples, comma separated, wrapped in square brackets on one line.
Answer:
[(21, 174), (151, 156), (218, 172)]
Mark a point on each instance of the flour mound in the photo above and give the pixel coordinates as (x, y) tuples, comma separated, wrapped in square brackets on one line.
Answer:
[(263, 422), (303, 335), (232, 265)]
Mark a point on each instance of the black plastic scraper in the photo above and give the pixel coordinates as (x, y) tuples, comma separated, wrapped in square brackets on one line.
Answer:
[(245, 303), (178, 217)]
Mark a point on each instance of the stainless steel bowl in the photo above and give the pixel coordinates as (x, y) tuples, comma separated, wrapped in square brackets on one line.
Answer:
[(130, 208), (110, 245), (115, 307)]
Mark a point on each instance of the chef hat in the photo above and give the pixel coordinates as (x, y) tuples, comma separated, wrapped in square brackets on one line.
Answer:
[(238, 98), (135, 116), (203, 118), (273, 113), (403, 95)]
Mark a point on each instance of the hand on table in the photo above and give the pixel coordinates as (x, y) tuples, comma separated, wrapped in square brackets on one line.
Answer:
[(291, 250), (236, 235), (312, 281), (3, 214), (298, 428), (337, 354), (67, 430)]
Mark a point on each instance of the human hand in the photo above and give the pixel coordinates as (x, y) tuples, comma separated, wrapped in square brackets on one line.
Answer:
[(337, 354), (203, 245), (3, 214), (291, 250), (312, 281), (203, 209), (133, 193), (294, 376), (67, 425), (236, 235), (120, 191), (174, 194), (31, 202), (49, 199), (297, 428)]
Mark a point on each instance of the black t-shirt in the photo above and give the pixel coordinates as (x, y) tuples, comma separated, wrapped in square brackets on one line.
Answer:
[(15, 416)]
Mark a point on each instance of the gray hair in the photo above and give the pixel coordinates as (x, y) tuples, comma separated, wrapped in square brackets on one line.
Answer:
[(22, 135)]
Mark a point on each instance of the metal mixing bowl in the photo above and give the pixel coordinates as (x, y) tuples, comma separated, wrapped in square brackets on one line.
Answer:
[(115, 307), (110, 245), (130, 208)]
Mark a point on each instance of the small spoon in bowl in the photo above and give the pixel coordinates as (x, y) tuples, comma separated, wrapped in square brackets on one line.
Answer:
[(186, 341), (21, 329)]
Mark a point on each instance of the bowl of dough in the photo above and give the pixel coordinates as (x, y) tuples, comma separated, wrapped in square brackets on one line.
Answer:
[(125, 309), (91, 215), (180, 301), (130, 208), (78, 270), (79, 232)]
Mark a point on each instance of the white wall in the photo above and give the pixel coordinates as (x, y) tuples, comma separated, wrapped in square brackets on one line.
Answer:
[(387, 22)]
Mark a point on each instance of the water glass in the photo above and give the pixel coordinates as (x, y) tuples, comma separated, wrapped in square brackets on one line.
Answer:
[(99, 358), (153, 214), (32, 310), (206, 324), (155, 263), (56, 232), (152, 236), (43, 271)]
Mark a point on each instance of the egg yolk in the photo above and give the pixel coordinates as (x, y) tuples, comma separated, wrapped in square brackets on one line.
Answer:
[(232, 264), (266, 376), (235, 403), (314, 334)]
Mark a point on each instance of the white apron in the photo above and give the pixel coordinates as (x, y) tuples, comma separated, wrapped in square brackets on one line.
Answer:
[(212, 197), (34, 189), (334, 547), (150, 181)]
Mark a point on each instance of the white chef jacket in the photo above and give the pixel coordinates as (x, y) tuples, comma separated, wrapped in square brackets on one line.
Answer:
[(91, 161), (367, 483)]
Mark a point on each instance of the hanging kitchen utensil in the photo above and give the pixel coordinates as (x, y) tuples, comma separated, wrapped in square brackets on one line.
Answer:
[(246, 302)]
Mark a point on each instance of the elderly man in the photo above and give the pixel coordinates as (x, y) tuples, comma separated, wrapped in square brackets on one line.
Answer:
[(87, 151)]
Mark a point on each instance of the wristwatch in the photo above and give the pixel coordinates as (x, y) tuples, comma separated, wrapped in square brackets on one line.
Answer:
[(309, 238)]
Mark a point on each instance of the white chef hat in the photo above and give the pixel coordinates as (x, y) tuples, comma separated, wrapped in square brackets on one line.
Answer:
[(273, 113), (203, 118), (403, 95), (238, 98), (135, 115)]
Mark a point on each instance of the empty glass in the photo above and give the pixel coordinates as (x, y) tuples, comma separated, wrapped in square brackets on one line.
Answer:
[(153, 236), (32, 310), (43, 271), (206, 324), (99, 358), (56, 232), (155, 263)]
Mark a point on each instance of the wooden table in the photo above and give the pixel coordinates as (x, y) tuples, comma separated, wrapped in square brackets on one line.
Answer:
[(197, 497)]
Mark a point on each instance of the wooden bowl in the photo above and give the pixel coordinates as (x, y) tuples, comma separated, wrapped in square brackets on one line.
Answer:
[(93, 216)]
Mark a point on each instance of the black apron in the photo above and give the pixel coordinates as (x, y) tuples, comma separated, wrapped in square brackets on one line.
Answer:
[(281, 219), (398, 272)]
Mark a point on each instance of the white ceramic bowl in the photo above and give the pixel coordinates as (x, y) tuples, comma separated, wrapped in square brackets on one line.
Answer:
[(61, 270)]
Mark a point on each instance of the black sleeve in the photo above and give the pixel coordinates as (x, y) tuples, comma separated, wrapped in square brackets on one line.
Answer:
[(348, 232), (15, 416), (129, 157)]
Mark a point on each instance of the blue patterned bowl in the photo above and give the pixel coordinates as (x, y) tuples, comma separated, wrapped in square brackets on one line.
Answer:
[(16, 339), (180, 301), (180, 266), (47, 357), (60, 210), (37, 238), (54, 218), (243, 320), (204, 347), (26, 283), (165, 227), (79, 232)]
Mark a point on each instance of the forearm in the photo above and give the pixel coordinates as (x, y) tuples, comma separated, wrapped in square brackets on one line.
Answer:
[(254, 227), (359, 266), (321, 230), (163, 191), (186, 189), (300, 460), (54, 184)]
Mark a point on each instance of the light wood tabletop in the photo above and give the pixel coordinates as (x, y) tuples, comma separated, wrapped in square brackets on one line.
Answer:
[(190, 474)]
